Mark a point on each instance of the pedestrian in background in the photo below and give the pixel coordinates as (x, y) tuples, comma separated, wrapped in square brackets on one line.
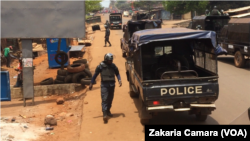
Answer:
[(107, 34), (108, 70), (7, 55)]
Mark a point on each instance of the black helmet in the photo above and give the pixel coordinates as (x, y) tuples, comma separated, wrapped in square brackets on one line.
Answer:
[(108, 57)]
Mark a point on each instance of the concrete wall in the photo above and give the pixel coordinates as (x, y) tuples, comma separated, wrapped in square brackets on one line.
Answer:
[(45, 90)]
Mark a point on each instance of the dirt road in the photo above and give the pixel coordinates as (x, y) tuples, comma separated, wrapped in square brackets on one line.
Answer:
[(125, 125)]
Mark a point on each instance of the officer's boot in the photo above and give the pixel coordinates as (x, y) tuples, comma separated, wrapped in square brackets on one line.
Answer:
[(105, 117), (18, 84), (109, 114)]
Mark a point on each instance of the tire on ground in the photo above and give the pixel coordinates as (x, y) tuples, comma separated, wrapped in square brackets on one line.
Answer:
[(85, 81), (239, 60), (62, 72), (88, 73), (75, 68), (76, 78), (65, 58), (58, 82), (61, 78), (84, 61), (68, 78), (47, 81), (86, 66)]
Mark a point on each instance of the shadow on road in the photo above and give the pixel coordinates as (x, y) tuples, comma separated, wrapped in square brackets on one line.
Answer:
[(175, 118), (230, 60)]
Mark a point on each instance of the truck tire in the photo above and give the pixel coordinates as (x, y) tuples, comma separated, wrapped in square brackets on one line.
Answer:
[(77, 77), (239, 60), (47, 81), (75, 68), (64, 60), (58, 82), (124, 54), (143, 121), (62, 72), (68, 79), (88, 73), (85, 81), (200, 117), (61, 78), (84, 61)]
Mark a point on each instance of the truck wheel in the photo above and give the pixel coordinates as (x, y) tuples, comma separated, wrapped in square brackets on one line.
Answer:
[(124, 54), (144, 121), (239, 60), (200, 117)]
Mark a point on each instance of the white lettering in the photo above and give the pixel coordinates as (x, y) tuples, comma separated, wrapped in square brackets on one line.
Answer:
[(164, 133), (226, 132), (233, 132), (198, 89), (240, 133), (178, 93), (164, 91), (187, 132), (190, 91), (151, 133), (171, 89)]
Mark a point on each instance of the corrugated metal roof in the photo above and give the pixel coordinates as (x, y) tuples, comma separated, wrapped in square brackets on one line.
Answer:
[(237, 9), (241, 15), (241, 20), (77, 48)]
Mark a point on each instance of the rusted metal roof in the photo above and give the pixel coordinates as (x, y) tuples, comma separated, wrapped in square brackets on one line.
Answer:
[(237, 9), (241, 15)]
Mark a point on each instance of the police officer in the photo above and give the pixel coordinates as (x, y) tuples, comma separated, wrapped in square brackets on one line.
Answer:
[(207, 13), (107, 24), (215, 11), (107, 34), (108, 70)]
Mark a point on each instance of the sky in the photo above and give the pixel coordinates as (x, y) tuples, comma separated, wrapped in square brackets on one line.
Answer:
[(105, 3)]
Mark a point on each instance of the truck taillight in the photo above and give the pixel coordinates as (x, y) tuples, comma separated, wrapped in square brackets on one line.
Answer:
[(156, 102)]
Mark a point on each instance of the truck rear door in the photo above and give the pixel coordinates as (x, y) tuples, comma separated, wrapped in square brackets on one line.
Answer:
[(181, 89)]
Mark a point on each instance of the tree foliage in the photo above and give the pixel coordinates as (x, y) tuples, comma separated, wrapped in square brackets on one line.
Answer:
[(182, 7), (145, 5), (93, 6), (226, 5), (123, 5)]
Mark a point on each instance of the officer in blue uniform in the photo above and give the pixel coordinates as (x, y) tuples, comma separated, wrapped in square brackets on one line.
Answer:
[(108, 70)]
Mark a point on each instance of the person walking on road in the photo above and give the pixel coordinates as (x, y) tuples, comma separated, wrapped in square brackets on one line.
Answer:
[(107, 34), (107, 24), (7, 55), (108, 70)]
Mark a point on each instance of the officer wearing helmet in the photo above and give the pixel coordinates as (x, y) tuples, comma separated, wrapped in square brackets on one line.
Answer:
[(108, 70), (207, 13), (107, 23), (215, 11)]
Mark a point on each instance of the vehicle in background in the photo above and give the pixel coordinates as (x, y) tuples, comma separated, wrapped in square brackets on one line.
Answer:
[(211, 23), (133, 26), (115, 20), (125, 14), (235, 38)]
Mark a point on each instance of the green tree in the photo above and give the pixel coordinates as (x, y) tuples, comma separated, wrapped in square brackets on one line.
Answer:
[(182, 7), (123, 5), (92, 6), (145, 5), (226, 5)]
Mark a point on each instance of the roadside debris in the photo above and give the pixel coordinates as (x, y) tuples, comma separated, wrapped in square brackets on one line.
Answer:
[(13, 119), (60, 100), (50, 120), (22, 116)]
